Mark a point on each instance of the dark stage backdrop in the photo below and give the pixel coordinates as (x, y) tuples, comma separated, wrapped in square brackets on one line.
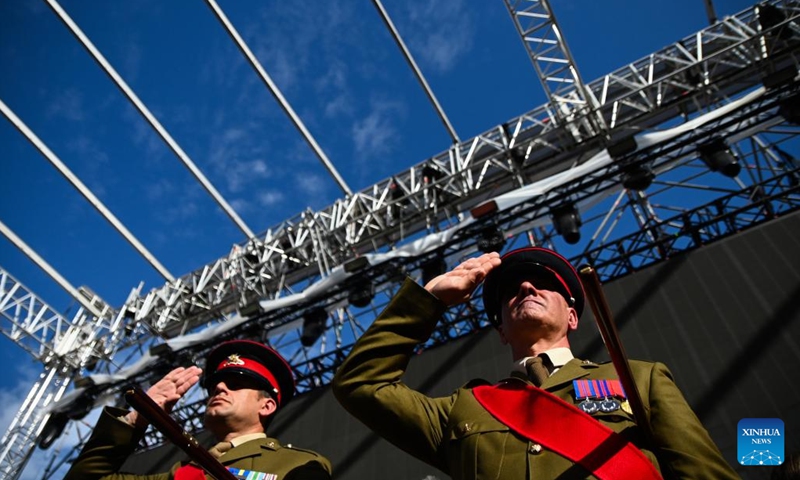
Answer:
[(725, 318)]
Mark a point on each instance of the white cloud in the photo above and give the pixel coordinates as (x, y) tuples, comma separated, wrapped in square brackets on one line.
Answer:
[(311, 185), (335, 79), (439, 33), (240, 205), (233, 135), (270, 198), (174, 203), (179, 211), (240, 174), (94, 160), (375, 133), (235, 156), (297, 35), (159, 191), (340, 105), (144, 136), (68, 104), (12, 396)]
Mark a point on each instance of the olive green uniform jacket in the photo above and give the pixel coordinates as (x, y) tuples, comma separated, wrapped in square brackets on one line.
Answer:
[(113, 440), (458, 436)]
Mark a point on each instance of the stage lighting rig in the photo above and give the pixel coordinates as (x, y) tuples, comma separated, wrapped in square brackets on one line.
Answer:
[(314, 323), (718, 158), (491, 239), (567, 222)]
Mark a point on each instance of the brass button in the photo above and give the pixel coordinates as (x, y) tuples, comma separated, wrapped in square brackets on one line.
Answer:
[(466, 428), (271, 444), (535, 448)]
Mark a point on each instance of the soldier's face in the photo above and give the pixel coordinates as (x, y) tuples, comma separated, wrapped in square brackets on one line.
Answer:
[(535, 309), (236, 405)]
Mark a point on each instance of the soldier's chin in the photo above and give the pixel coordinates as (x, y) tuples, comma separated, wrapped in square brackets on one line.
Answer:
[(213, 419)]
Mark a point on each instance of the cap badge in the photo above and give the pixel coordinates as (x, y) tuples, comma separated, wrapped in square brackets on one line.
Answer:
[(233, 360)]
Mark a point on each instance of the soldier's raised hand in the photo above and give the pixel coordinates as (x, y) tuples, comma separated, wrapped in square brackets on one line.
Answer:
[(167, 391), (457, 285)]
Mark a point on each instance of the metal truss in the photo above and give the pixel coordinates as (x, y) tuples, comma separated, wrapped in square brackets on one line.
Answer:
[(623, 229), (695, 74), (569, 99), (64, 347)]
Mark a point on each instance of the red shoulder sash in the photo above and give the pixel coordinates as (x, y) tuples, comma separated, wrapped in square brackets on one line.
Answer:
[(546, 419)]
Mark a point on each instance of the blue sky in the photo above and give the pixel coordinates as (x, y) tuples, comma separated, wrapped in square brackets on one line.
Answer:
[(334, 61)]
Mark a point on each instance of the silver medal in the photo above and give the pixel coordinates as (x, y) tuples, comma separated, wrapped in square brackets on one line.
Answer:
[(609, 405), (588, 406)]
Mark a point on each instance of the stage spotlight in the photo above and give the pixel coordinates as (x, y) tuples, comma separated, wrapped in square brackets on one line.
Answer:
[(314, 323), (491, 240), (161, 350), (621, 147), (770, 16), (395, 192), (250, 310), (396, 200), (52, 430), (80, 407), (719, 158), (361, 294), (355, 264), (789, 109), (431, 175), (76, 410), (567, 222), (84, 382), (432, 268), (637, 177)]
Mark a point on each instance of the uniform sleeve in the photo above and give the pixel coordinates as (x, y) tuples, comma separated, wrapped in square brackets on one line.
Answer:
[(111, 443), (684, 444), (369, 386)]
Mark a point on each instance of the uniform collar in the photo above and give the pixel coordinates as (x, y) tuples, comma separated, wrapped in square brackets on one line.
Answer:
[(253, 447), (246, 438), (559, 357), (570, 371)]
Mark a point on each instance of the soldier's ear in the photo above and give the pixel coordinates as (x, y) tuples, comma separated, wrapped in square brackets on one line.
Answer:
[(572, 322), (268, 407)]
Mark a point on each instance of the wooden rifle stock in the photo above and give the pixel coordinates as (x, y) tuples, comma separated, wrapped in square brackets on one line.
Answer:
[(165, 424), (608, 330)]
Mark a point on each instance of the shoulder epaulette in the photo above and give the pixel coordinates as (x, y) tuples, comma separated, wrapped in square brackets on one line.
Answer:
[(292, 447)]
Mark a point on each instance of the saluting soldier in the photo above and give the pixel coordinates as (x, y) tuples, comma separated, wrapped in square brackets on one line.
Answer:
[(247, 383), (555, 417)]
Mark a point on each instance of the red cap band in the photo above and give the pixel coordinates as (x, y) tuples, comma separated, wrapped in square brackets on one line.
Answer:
[(235, 361), (561, 281)]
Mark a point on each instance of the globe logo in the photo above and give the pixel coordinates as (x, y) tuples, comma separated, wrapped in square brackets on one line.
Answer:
[(760, 457)]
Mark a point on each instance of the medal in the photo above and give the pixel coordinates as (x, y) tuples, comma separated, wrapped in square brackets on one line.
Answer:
[(588, 406), (600, 395), (609, 405)]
